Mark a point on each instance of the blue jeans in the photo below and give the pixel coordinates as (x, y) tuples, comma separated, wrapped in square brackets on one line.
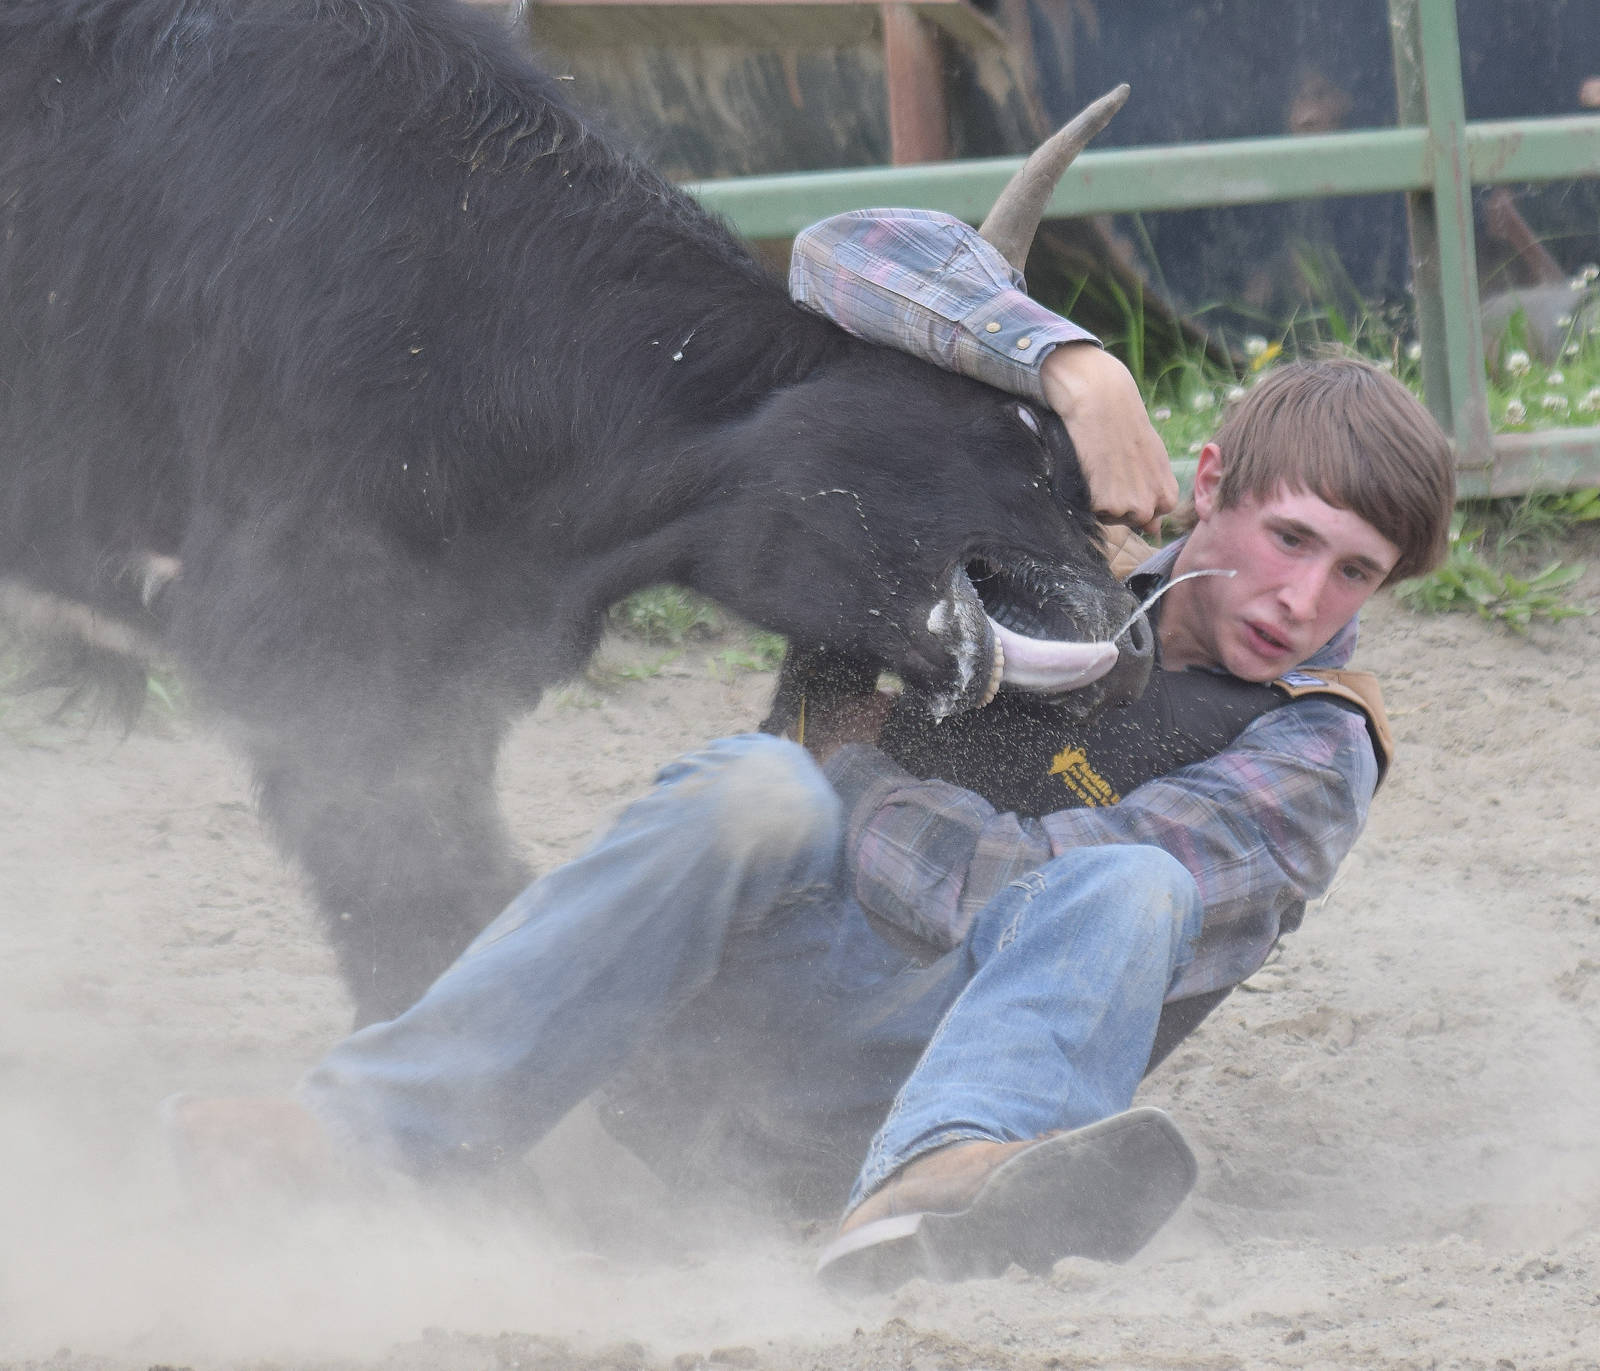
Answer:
[(706, 964)]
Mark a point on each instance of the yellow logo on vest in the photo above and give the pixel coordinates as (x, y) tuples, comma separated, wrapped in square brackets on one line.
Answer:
[(1072, 765)]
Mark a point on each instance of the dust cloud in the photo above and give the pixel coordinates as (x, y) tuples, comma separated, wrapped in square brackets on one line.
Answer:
[(1396, 1119), (104, 1256)]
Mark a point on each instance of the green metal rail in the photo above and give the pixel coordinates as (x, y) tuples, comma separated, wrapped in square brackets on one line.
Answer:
[(1434, 157)]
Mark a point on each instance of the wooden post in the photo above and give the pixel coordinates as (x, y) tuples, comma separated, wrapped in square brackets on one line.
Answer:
[(919, 122)]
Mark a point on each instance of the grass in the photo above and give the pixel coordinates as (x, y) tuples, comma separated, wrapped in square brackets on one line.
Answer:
[(1500, 564), (760, 651), (1526, 393), (1469, 581), (1187, 385), (671, 617), (1537, 521), (165, 691), (666, 615)]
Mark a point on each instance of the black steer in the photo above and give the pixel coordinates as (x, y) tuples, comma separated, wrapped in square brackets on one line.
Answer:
[(342, 364)]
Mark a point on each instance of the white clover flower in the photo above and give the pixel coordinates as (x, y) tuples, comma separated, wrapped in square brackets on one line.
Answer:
[(1516, 411), (1202, 401), (1161, 414), (1557, 378), (1194, 447), (1556, 404), (1571, 350), (1518, 363), (1588, 272), (1563, 321), (1254, 345), (1235, 394), (1385, 364), (1590, 402), (1413, 352)]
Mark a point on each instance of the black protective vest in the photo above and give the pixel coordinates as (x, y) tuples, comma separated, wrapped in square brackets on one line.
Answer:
[(1028, 756)]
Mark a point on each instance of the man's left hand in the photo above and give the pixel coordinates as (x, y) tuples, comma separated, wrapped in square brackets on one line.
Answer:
[(1123, 458)]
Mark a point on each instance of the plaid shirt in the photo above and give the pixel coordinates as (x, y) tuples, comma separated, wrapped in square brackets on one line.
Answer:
[(926, 283), (1262, 828)]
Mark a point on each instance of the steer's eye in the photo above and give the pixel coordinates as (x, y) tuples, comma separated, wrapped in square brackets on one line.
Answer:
[(1035, 425)]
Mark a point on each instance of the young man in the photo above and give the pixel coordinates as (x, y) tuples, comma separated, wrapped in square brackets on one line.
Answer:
[(859, 985)]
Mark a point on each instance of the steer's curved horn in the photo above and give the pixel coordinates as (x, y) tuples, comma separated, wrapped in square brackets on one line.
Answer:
[(1015, 217)]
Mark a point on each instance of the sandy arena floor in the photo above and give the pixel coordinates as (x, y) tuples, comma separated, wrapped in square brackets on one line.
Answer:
[(1398, 1118)]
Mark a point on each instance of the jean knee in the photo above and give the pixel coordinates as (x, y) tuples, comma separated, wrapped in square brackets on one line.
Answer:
[(770, 801), (1174, 901), (1144, 888)]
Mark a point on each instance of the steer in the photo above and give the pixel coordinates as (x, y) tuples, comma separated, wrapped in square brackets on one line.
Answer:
[(343, 365)]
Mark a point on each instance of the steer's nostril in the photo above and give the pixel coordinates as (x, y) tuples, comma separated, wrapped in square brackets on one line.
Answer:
[(1140, 640)]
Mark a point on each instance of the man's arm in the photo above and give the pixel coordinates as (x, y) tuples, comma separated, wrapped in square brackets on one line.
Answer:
[(926, 283), (1262, 827)]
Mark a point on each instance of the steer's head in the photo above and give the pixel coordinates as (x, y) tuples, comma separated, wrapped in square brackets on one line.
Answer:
[(943, 528), (940, 528)]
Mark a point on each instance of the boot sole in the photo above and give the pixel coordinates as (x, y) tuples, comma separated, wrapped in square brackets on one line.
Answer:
[(1101, 1191)]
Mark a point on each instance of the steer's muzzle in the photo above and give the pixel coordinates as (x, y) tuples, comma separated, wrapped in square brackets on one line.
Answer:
[(1018, 624)]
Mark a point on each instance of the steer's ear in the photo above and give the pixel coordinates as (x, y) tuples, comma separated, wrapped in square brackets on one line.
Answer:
[(1014, 220)]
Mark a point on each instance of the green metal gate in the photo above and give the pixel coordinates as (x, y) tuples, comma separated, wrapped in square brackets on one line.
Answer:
[(1434, 156)]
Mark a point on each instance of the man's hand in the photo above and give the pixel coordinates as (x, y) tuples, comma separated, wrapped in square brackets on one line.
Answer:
[(858, 719), (1124, 461)]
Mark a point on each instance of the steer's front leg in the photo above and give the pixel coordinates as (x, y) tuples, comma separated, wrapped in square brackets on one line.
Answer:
[(402, 842)]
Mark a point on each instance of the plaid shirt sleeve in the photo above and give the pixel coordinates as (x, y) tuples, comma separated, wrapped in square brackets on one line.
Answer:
[(927, 284), (1262, 827)]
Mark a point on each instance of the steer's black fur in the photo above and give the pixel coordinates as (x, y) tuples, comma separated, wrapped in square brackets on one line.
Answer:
[(339, 304)]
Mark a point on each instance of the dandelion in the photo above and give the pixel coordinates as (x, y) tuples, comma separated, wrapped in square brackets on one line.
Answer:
[(1235, 394), (1413, 352), (1590, 403), (1518, 363), (1254, 345), (1202, 401), (1161, 414), (1516, 411), (1556, 378), (1555, 404), (1265, 356)]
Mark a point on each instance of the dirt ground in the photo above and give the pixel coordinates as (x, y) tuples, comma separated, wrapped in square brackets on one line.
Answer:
[(1397, 1118)]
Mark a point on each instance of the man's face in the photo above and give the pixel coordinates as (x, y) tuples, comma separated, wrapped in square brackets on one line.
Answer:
[(1303, 567)]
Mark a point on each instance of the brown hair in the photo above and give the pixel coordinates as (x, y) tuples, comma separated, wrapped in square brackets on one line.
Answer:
[(1348, 432)]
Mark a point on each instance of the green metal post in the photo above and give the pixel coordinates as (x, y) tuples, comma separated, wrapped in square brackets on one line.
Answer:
[(1427, 58)]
